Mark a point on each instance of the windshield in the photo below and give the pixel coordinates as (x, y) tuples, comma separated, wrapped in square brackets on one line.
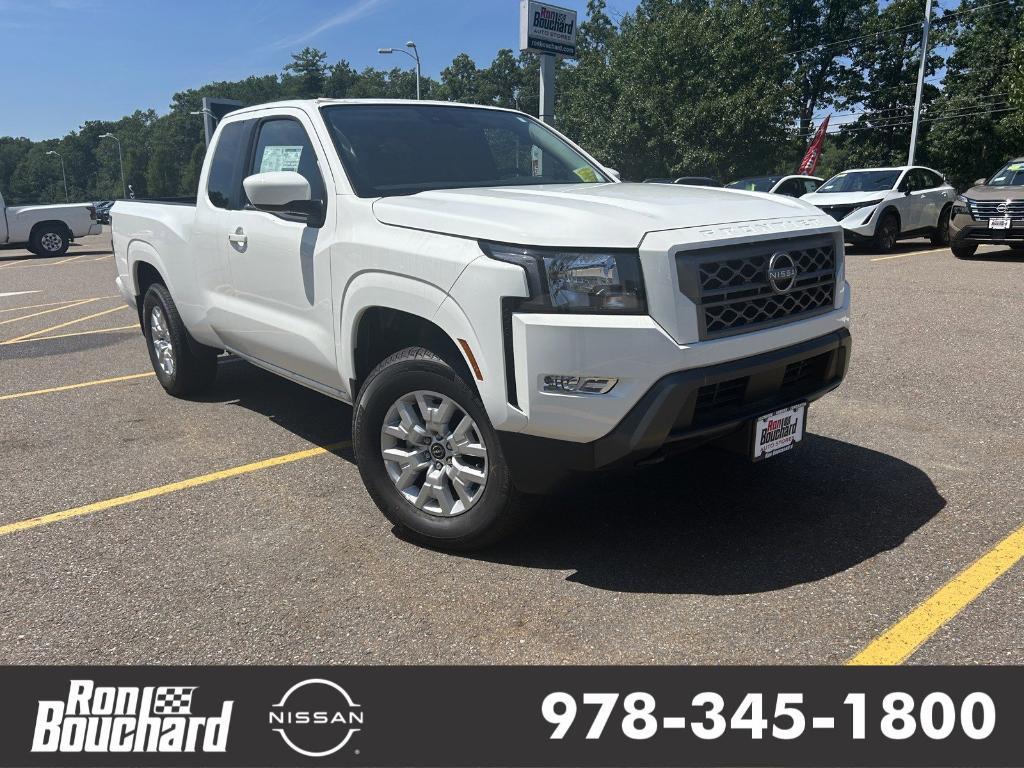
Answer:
[(756, 183), (861, 181), (400, 149), (1010, 175)]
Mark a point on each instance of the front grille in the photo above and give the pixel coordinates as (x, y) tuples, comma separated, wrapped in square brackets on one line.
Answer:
[(732, 292), (983, 210), (839, 212), (799, 373), (714, 398)]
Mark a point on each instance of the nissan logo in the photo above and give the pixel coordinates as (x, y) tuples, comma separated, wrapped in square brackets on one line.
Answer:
[(782, 272), (1003, 207)]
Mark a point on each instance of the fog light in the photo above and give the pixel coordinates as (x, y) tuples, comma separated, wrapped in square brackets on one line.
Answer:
[(591, 385)]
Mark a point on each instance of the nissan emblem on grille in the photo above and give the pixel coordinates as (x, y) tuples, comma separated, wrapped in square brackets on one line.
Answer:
[(1002, 207), (782, 272)]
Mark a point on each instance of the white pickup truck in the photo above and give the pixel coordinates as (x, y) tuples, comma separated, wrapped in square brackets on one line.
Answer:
[(499, 310), (47, 229)]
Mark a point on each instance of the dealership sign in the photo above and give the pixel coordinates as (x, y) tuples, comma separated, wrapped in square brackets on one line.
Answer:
[(545, 28)]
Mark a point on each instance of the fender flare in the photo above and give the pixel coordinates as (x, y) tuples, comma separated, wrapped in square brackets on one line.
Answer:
[(141, 251)]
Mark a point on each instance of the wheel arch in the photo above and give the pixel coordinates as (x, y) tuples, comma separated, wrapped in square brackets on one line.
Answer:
[(55, 223), (895, 212), (384, 312)]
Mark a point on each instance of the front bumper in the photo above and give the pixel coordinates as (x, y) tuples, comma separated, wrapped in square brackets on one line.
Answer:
[(685, 409), (965, 230)]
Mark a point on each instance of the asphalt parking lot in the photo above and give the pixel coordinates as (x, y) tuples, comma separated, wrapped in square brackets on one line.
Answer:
[(220, 530)]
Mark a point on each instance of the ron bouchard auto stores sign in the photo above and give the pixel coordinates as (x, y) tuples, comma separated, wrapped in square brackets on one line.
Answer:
[(547, 28)]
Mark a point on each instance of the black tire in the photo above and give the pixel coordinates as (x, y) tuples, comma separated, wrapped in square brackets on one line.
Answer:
[(940, 237), (50, 240), (193, 366), (886, 233), (964, 251), (500, 507)]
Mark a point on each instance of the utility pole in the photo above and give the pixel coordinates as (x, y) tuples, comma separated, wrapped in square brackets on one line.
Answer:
[(120, 160), (920, 80), (414, 55), (63, 175), (547, 88)]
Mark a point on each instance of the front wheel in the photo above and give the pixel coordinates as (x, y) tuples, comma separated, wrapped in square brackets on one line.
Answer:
[(183, 366), (429, 456), (964, 251), (941, 235), (886, 233)]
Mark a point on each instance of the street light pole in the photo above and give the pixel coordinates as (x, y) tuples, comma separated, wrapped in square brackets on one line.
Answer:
[(120, 159), (415, 55), (63, 175), (920, 80)]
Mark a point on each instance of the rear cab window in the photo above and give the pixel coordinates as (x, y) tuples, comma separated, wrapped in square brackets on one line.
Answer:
[(229, 155)]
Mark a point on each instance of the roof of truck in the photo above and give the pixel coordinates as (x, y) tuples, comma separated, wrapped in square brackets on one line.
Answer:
[(315, 103)]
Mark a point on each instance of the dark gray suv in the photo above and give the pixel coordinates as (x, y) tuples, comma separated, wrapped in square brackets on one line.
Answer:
[(992, 212)]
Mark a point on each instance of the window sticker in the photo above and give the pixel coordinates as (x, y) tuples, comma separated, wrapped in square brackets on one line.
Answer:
[(280, 158), (587, 174), (536, 160), (998, 178), (1015, 167)]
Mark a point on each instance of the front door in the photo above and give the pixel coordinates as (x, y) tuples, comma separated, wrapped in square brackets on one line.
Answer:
[(281, 303)]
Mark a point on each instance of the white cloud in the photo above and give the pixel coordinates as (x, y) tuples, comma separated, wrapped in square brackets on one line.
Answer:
[(356, 10)]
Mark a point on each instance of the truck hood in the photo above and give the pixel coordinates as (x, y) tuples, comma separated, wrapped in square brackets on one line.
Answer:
[(845, 198), (579, 215)]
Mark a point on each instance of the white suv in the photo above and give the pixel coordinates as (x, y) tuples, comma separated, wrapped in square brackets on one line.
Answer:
[(878, 206)]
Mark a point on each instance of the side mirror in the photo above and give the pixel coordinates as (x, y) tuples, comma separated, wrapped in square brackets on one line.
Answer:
[(286, 194), (980, 182), (614, 174)]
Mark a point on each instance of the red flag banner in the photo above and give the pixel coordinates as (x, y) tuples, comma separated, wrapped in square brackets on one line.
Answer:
[(810, 161)]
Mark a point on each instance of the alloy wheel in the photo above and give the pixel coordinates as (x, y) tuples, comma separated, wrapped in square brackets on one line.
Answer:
[(434, 453), (51, 242), (163, 347)]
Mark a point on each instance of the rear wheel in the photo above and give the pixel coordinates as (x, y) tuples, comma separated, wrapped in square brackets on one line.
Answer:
[(183, 365), (429, 456), (964, 251), (887, 231), (941, 235), (50, 240)]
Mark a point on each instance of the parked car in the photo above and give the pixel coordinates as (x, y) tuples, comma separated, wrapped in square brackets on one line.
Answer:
[(47, 230), (794, 186), (697, 181), (499, 311), (690, 181), (103, 210), (879, 206), (992, 211)]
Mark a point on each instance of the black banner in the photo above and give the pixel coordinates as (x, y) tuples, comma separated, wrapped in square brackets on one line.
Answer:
[(511, 716)]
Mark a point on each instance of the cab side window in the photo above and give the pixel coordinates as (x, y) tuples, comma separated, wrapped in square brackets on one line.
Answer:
[(810, 185), (283, 145), (229, 157), (792, 188)]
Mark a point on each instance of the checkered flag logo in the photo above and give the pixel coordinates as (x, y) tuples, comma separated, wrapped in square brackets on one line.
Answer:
[(172, 700)]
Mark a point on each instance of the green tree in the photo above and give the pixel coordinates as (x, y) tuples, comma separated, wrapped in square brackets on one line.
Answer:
[(306, 75), (974, 125), (462, 81)]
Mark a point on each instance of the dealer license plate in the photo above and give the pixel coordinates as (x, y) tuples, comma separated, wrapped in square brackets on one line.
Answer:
[(777, 432), (999, 223)]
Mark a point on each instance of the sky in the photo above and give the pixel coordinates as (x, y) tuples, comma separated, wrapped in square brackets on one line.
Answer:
[(68, 61)]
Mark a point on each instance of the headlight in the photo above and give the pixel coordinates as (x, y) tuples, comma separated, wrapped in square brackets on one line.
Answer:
[(576, 281), (871, 203), (962, 206)]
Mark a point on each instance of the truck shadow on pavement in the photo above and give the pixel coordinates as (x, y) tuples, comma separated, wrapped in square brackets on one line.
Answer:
[(712, 523), (708, 522)]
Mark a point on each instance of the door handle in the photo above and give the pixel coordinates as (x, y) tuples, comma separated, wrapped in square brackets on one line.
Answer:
[(238, 237)]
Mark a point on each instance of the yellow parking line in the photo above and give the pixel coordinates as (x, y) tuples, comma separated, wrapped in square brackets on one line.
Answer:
[(52, 303), (896, 644), (63, 325), (66, 387), (161, 490), (76, 333), (912, 253), (63, 261), (48, 311)]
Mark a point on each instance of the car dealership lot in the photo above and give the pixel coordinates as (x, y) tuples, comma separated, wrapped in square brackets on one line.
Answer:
[(911, 472)]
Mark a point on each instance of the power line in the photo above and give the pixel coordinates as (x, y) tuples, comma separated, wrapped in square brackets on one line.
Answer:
[(880, 33), (940, 118)]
